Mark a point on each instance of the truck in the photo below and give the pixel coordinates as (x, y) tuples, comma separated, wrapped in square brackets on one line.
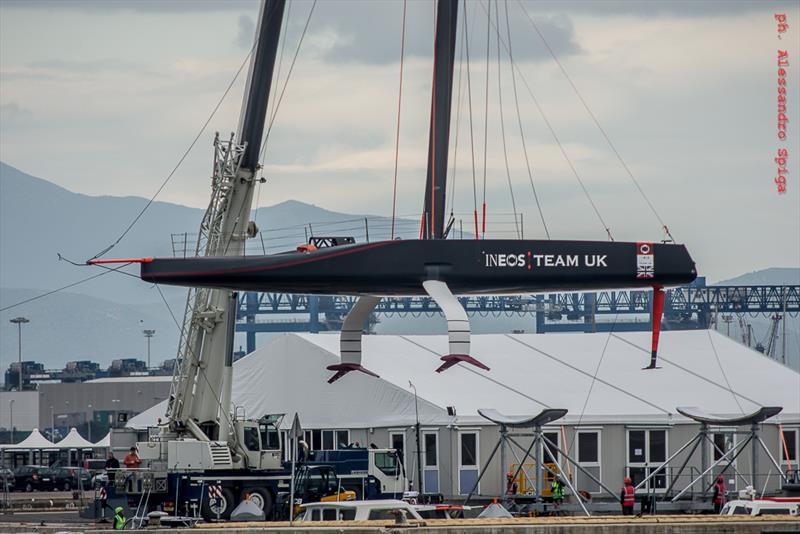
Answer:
[(189, 490)]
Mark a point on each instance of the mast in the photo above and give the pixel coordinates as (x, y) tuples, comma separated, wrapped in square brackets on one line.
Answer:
[(256, 94), (200, 397), (433, 216)]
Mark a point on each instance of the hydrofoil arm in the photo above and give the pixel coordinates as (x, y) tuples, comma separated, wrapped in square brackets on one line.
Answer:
[(458, 329), (350, 340)]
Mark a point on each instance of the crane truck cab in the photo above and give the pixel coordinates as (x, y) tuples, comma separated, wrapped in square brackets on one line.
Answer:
[(261, 442)]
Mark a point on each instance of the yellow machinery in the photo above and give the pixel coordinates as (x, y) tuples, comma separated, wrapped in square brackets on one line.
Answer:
[(526, 485)]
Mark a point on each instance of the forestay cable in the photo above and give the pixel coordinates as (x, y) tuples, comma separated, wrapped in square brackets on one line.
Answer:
[(519, 121), (560, 145), (73, 284), (596, 122), (471, 134), (182, 158), (503, 125), (486, 117), (399, 107)]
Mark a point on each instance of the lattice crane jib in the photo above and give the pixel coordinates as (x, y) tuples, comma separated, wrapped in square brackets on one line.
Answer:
[(201, 386)]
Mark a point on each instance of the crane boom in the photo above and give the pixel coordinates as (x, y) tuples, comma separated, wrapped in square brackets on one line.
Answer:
[(199, 401)]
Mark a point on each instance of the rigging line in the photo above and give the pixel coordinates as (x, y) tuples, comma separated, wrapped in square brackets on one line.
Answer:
[(286, 83), (48, 293), (272, 121), (596, 122), (661, 358), (486, 116), (201, 370), (174, 319), (452, 184), (581, 371), (503, 122), (182, 158), (594, 380), (519, 120), (280, 58), (722, 370), (471, 129), (399, 107), (560, 145), (481, 375)]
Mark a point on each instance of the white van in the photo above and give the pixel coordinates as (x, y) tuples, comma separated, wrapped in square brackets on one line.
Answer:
[(775, 506), (355, 510)]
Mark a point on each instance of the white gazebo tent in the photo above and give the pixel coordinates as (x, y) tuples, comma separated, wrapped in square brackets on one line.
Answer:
[(34, 442), (104, 443), (74, 442)]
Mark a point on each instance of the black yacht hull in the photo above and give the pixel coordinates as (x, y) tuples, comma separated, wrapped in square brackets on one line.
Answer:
[(467, 266)]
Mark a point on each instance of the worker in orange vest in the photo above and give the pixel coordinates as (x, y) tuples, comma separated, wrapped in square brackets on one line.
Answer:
[(628, 497), (719, 494)]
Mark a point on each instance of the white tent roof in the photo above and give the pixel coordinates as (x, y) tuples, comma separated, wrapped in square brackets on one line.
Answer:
[(35, 440), (105, 442), (132, 378), (73, 440), (528, 373)]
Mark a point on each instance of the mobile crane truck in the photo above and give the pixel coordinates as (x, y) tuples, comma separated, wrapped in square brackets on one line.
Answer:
[(205, 448)]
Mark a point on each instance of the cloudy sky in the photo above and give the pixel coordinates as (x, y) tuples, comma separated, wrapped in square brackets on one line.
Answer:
[(103, 98)]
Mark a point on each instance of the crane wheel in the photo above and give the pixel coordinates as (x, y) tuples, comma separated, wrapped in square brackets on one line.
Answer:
[(217, 507), (262, 498)]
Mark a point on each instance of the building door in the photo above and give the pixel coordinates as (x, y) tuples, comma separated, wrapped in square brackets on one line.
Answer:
[(397, 441), (790, 444), (430, 462), (647, 449), (468, 469), (549, 460), (723, 442), (589, 459)]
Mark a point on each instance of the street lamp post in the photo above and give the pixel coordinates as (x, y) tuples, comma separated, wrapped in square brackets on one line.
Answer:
[(19, 321), (11, 417), (114, 403), (420, 485), (149, 335), (89, 421)]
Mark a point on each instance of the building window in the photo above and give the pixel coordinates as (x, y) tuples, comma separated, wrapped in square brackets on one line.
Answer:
[(431, 451), (790, 445), (589, 459), (467, 462), (342, 438), (647, 449), (430, 462), (553, 437), (327, 440), (397, 441)]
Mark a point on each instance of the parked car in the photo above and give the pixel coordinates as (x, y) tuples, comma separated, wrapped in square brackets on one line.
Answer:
[(69, 478), (441, 511), (769, 506), (95, 465), (33, 477), (355, 510)]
